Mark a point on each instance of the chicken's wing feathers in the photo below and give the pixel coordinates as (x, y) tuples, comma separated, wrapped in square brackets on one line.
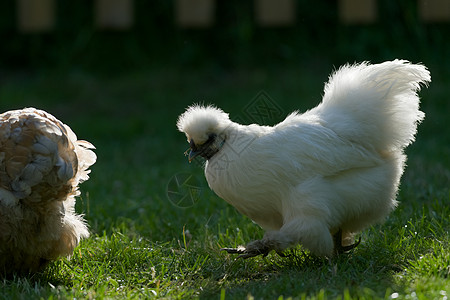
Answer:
[(305, 143)]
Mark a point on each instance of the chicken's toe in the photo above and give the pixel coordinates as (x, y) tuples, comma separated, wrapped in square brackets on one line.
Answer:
[(252, 249), (238, 250)]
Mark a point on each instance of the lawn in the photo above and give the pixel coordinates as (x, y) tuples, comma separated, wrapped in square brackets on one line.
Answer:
[(154, 237)]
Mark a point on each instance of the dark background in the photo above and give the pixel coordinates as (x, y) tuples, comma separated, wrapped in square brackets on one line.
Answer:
[(234, 39)]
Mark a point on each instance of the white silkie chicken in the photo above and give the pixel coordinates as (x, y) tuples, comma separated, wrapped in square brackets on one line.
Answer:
[(41, 166), (319, 177)]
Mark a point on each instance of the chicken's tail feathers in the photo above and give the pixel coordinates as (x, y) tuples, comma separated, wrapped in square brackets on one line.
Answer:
[(376, 105)]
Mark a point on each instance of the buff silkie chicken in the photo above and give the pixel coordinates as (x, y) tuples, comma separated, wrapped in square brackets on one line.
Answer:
[(41, 165), (319, 177)]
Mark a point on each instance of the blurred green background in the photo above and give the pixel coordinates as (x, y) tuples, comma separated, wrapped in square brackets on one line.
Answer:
[(123, 88)]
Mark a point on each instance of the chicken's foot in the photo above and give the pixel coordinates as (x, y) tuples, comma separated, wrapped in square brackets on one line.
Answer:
[(255, 248), (338, 248)]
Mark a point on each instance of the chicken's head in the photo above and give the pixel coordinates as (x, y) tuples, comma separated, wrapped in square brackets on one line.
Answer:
[(205, 129)]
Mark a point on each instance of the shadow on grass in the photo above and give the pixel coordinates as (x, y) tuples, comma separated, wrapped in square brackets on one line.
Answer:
[(365, 272), (39, 285)]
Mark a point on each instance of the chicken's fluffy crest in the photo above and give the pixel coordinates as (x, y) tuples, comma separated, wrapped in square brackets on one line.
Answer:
[(198, 121)]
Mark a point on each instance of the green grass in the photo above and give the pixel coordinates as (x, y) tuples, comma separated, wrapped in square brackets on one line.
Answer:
[(144, 246)]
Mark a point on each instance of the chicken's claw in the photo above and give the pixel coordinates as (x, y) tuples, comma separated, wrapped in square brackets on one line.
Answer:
[(238, 250), (252, 249)]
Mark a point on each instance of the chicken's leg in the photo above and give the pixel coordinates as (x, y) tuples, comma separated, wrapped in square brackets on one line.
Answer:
[(338, 247), (311, 233)]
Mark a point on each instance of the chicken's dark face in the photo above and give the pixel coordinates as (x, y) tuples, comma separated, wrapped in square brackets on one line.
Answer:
[(207, 149), (206, 129)]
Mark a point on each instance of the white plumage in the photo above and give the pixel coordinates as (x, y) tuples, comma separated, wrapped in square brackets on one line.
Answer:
[(41, 166), (318, 177)]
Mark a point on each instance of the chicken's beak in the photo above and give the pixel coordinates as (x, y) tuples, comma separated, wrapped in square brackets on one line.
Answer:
[(194, 152)]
